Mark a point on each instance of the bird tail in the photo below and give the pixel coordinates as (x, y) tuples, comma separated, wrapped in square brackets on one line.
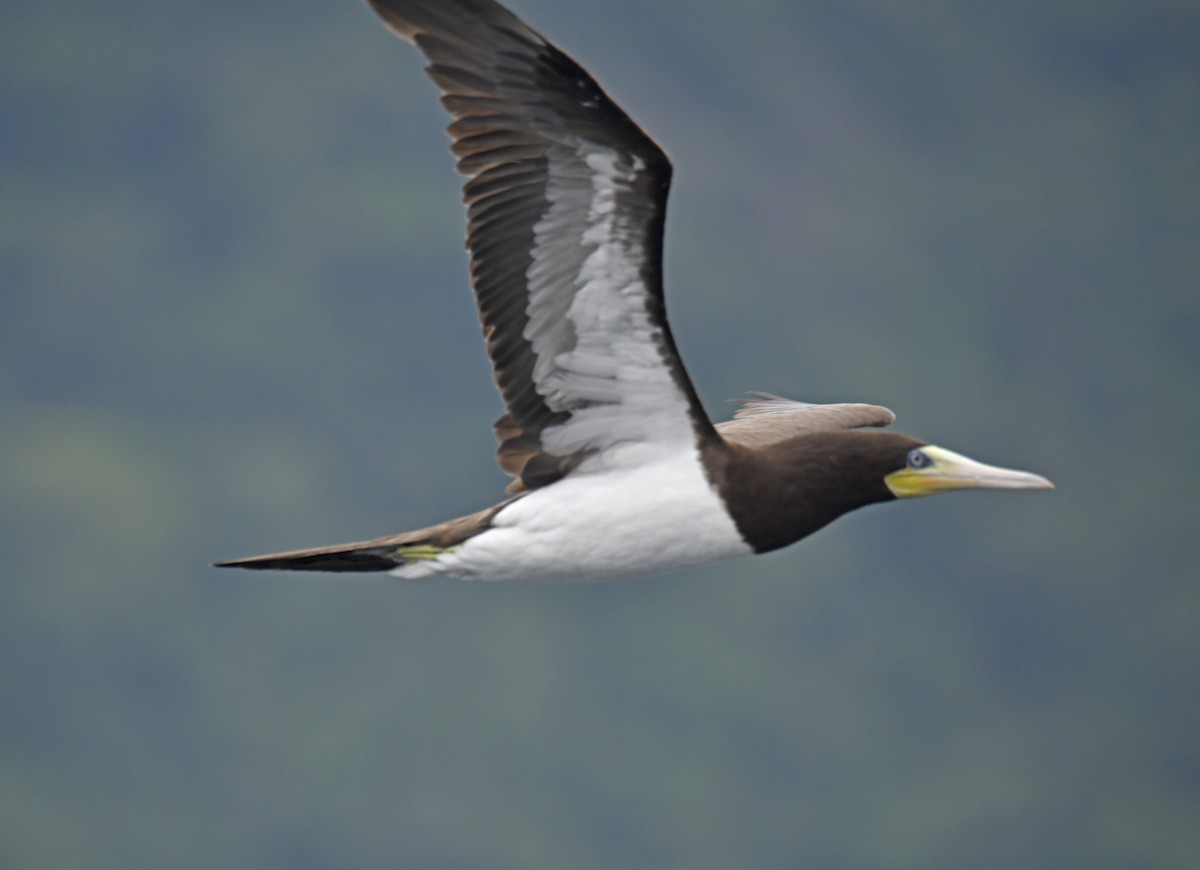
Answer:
[(380, 554), (344, 558)]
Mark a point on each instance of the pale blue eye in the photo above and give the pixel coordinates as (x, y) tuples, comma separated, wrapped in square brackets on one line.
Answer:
[(917, 459)]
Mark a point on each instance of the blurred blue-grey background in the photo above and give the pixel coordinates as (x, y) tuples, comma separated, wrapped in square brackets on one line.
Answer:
[(234, 319)]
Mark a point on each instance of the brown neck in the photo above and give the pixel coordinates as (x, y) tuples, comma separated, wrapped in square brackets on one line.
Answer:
[(782, 493)]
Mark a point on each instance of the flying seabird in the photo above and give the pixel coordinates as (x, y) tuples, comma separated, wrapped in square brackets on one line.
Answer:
[(618, 471)]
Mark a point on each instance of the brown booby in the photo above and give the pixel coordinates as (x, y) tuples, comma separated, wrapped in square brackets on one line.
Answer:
[(618, 470)]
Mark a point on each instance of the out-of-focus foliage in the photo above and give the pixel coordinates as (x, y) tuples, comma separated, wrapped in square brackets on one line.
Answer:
[(233, 318)]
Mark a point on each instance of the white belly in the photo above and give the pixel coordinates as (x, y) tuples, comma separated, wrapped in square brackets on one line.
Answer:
[(607, 525)]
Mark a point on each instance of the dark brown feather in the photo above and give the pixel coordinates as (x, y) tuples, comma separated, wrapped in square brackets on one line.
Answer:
[(379, 554)]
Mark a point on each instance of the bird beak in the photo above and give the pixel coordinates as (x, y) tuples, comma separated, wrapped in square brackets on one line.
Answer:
[(948, 471)]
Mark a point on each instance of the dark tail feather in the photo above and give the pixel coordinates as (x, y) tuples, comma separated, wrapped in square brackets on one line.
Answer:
[(379, 554), (343, 558)]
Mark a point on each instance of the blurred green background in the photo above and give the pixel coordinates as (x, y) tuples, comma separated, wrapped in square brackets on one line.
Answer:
[(234, 319)]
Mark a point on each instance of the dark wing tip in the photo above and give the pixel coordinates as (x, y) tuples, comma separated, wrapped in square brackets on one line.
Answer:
[(411, 17)]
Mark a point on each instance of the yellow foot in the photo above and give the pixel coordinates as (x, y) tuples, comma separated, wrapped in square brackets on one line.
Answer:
[(421, 552)]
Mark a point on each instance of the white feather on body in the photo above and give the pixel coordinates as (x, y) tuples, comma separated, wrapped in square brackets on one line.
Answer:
[(607, 520)]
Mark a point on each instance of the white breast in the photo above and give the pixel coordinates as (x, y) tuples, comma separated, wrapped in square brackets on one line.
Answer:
[(635, 516)]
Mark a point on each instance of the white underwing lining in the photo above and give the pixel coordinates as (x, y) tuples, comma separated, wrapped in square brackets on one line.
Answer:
[(597, 348)]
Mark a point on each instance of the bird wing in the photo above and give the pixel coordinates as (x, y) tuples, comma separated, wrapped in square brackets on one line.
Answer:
[(566, 199), (765, 419)]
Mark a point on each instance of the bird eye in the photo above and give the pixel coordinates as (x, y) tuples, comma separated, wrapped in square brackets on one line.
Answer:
[(917, 459)]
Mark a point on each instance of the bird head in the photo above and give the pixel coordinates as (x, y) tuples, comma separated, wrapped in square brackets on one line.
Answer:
[(928, 470)]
